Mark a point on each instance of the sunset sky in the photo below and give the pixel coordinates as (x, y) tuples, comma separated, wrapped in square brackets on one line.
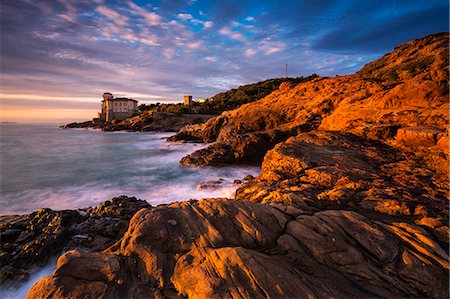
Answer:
[(59, 56)]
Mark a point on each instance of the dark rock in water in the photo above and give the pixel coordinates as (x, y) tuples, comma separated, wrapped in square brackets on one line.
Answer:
[(31, 240), (237, 182), (35, 238), (145, 121), (122, 206), (94, 123), (243, 149), (211, 185)]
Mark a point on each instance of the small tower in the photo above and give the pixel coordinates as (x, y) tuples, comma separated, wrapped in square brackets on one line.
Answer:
[(187, 100), (108, 106), (107, 96)]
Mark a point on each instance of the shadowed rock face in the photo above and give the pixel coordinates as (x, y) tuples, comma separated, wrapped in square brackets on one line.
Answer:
[(223, 248), (31, 240)]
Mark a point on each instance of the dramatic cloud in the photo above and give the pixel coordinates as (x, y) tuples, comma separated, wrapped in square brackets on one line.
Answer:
[(59, 53)]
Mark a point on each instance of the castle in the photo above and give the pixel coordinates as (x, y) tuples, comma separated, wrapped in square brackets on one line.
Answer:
[(116, 108)]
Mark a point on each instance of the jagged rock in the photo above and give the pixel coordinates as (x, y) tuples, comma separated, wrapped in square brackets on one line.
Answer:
[(319, 167), (418, 136), (220, 247), (122, 206), (371, 107), (94, 123), (211, 185), (31, 240), (244, 149)]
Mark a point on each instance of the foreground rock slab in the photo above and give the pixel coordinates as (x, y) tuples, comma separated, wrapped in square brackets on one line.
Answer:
[(224, 248), (29, 241)]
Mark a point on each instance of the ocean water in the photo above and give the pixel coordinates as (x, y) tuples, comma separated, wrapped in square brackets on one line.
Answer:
[(45, 166)]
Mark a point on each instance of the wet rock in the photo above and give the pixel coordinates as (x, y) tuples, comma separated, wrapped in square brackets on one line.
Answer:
[(211, 185), (248, 177), (31, 240), (122, 206)]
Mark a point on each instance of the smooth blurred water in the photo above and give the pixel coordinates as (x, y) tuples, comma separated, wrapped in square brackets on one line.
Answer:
[(44, 166)]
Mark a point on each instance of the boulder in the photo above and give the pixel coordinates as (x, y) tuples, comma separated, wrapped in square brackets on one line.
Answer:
[(418, 136), (29, 241)]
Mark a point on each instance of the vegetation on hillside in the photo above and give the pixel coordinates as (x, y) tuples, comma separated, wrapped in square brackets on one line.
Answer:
[(229, 100)]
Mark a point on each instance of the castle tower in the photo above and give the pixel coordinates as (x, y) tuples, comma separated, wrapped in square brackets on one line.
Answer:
[(107, 96), (187, 100), (107, 100)]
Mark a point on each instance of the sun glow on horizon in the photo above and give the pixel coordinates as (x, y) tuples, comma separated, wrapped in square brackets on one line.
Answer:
[(32, 108), (36, 115)]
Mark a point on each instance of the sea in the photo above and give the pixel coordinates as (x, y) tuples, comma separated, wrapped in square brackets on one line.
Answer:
[(44, 166)]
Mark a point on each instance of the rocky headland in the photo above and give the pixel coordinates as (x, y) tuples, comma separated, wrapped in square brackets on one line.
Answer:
[(145, 122), (352, 200)]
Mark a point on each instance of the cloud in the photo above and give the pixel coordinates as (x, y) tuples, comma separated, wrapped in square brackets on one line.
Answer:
[(153, 18), (211, 58), (150, 17), (169, 53), (250, 53), (112, 15), (250, 19), (232, 34), (269, 47), (208, 24), (195, 45), (184, 16), (149, 41)]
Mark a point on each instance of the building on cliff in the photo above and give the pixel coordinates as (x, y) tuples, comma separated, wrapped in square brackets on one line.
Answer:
[(187, 100), (116, 108)]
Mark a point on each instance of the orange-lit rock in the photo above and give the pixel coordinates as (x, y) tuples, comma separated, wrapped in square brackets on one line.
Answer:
[(223, 248)]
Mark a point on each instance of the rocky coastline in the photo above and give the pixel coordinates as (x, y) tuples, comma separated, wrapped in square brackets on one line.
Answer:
[(352, 200), (144, 122)]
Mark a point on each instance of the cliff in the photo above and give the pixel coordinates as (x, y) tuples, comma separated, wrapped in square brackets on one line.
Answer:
[(352, 200), (367, 104)]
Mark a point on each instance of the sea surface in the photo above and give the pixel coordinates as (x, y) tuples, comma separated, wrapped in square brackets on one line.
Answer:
[(42, 165)]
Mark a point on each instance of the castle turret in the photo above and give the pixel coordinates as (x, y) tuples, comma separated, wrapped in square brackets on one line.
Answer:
[(187, 100), (107, 96)]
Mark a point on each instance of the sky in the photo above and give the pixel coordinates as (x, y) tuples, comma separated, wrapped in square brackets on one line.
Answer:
[(59, 56)]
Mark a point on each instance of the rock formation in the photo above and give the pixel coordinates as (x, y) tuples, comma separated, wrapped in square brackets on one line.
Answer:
[(367, 104), (31, 240), (145, 121), (352, 200), (224, 248)]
